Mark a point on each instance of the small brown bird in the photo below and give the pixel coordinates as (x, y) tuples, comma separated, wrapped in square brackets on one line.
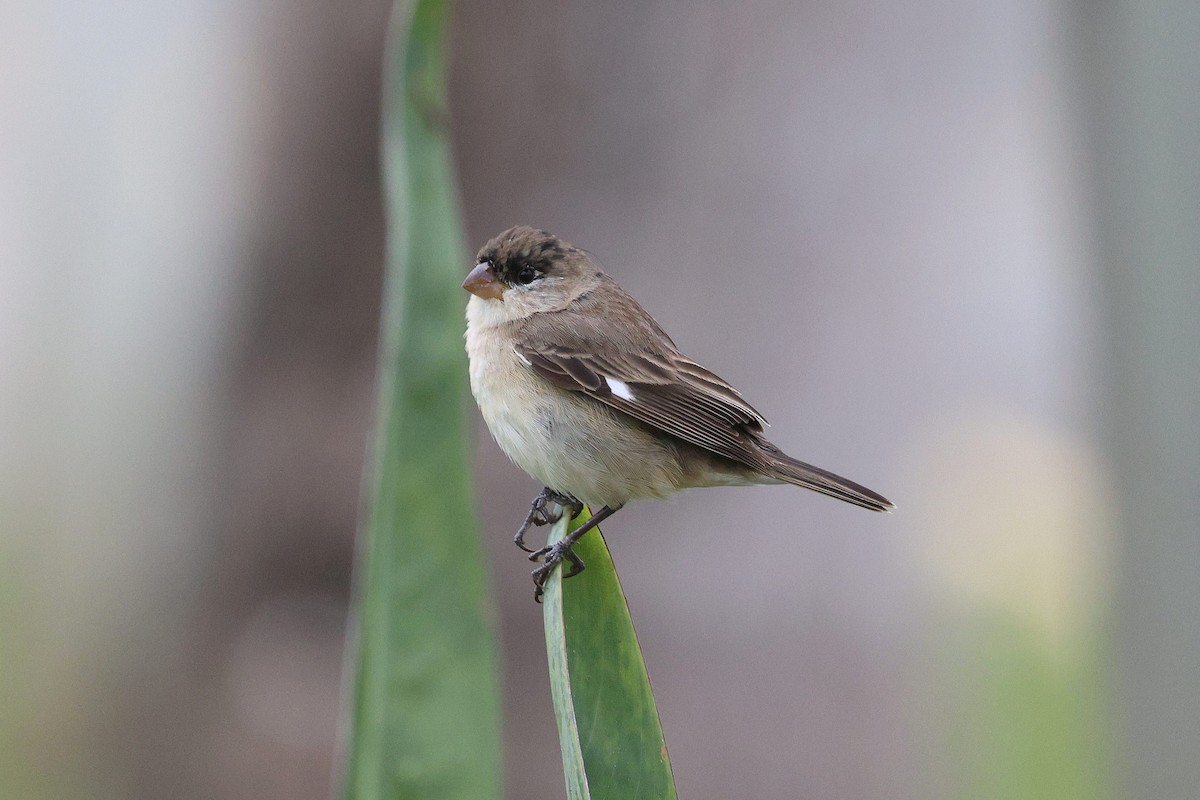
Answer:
[(585, 392)]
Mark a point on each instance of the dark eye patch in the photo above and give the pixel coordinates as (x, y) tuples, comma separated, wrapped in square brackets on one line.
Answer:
[(520, 263)]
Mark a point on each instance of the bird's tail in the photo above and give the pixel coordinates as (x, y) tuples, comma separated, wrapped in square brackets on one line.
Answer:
[(789, 470)]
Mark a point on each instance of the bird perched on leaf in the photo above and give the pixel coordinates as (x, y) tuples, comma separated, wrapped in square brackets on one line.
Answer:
[(585, 392)]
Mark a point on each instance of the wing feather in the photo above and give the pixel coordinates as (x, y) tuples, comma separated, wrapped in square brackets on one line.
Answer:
[(683, 400), (579, 348)]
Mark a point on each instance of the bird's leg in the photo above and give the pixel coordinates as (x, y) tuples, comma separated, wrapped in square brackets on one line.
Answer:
[(539, 514), (560, 550)]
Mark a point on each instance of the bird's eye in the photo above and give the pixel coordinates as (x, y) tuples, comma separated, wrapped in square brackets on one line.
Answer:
[(526, 275)]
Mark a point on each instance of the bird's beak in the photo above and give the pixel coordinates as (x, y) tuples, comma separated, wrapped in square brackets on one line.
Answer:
[(482, 282)]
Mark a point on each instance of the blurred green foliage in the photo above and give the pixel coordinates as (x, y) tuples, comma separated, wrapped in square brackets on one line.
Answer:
[(1030, 719), (425, 711)]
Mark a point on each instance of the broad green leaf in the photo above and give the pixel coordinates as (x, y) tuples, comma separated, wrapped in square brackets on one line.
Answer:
[(608, 727), (424, 721)]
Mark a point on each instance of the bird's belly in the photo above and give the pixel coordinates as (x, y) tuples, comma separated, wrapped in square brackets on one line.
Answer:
[(568, 441)]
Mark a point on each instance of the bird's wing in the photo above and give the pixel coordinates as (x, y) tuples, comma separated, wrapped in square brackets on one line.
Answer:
[(646, 378)]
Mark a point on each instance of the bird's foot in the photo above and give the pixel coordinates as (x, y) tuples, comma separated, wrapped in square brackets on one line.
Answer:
[(546, 509), (554, 555), (560, 551)]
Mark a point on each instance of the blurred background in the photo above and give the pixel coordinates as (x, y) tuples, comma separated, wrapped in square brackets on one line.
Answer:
[(949, 249)]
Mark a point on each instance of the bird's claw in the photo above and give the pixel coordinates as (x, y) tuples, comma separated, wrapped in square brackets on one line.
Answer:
[(554, 555), (541, 514)]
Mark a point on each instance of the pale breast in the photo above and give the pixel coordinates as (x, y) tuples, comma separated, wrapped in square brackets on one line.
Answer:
[(564, 440), (507, 399)]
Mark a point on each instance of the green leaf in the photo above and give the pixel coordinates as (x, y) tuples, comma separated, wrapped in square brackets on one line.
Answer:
[(424, 716), (608, 727)]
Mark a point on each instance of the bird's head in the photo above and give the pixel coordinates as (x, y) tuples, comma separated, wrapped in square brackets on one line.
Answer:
[(527, 271)]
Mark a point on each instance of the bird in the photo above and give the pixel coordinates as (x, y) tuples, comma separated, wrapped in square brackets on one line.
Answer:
[(586, 393)]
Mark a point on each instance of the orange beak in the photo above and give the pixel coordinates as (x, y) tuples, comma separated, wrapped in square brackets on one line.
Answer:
[(482, 282)]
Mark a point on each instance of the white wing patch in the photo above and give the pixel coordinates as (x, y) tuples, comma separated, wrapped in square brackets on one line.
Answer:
[(620, 389), (521, 356)]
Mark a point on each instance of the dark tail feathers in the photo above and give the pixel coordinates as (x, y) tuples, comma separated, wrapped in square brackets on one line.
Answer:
[(788, 469)]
